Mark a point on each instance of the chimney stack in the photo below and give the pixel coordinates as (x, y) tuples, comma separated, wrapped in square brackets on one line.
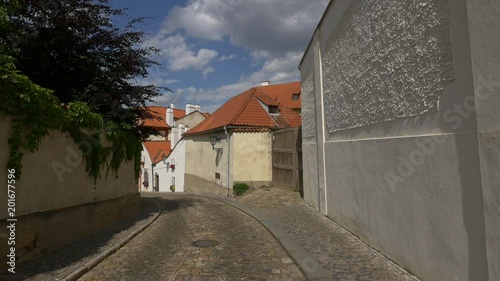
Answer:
[(197, 108), (170, 117), (182, 130), (190, 108), (265, 83), (174, 137)]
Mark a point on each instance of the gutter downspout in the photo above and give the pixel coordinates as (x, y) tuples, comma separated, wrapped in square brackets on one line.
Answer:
[(228, 159), (152, 176)]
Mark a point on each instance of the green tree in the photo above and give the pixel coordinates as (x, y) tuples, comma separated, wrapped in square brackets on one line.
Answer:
[(35, 110), (74, 48)]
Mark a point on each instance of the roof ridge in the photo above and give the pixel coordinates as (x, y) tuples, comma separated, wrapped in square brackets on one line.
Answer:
[(244, 105)]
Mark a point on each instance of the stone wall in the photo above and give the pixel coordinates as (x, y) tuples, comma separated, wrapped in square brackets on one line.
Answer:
[(56, 201), (390, 138)]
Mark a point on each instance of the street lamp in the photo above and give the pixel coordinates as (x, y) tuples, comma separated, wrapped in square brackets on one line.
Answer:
[(164, 158), (213, 141)]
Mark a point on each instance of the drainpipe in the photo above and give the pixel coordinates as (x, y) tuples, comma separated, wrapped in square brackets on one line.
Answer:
[(228, 158), (152, 177)]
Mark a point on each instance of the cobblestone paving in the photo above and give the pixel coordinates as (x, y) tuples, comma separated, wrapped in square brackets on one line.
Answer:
[(165, 251), (59, 263), (344, 255)]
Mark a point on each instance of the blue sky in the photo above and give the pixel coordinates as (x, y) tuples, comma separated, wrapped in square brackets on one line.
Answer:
[(212, 50)]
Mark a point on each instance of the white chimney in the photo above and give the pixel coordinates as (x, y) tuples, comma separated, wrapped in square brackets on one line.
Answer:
[(197, 107), (265, 83), (190, 108), (170, 117), (172, 105), (182, 129), (174, 137)]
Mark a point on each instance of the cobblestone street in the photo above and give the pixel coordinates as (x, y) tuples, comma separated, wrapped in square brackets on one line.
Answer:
[(165, 251)]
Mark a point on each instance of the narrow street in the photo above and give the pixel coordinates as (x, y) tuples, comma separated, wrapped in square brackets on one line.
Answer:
[(165, 250)]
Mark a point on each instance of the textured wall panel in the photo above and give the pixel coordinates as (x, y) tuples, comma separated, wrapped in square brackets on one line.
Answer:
[(308, 105), (387, 59)]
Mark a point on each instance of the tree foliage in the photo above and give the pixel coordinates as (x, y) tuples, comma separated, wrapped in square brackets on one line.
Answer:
[(74, 48), (61, 61)]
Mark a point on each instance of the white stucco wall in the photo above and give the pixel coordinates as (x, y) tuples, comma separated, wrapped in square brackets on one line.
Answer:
[(169, 176), (55, 177), (202, 164), (406, 173), (192, 119), (484, 19), (146, 167), (252, 157)]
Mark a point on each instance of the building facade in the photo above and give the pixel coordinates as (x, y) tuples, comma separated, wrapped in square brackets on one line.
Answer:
[(400, 131), (241, 152)]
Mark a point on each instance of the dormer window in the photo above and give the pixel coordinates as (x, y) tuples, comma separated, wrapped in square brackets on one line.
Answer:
[(273, 109), (295, 97)]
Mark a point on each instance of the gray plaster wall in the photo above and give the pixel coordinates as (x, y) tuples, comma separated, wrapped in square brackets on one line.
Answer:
[(310, 151), (399, 156), (484, 20)]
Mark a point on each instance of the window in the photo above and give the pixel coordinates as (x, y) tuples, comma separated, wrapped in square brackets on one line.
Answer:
[(295, 97), (273, 109)]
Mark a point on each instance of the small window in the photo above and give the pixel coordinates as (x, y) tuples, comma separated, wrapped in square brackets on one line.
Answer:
[(295, 97), (273, 109)]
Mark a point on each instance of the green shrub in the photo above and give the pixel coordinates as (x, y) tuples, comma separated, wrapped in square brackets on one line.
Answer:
[(240, 188)]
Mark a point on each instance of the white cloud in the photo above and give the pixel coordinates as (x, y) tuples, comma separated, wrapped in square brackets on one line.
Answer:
[(207, 71), (254, 25), (227, 57), (179, 56), (171, 81), (278, 70), (274, 32)]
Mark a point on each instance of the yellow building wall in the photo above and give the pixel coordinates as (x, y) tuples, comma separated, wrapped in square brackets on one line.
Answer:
[(252, 157)]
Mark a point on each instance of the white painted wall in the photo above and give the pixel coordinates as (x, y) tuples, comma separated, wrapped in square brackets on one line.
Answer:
[(251, 161), (169, 176), (146, 167), (203, 162), (422, 188)]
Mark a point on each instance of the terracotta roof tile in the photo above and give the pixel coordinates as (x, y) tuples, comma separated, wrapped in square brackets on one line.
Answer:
[(283, 93), (156, 149), (248, 110), (179, 113), (160, 112)]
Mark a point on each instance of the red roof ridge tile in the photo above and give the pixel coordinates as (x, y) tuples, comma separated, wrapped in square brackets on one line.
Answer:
[(244, 106)]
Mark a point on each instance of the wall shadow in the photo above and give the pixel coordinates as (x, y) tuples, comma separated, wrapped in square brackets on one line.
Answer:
[(473, 206), (51, 261)]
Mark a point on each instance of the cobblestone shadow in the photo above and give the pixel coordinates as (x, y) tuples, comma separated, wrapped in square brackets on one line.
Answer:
[(56, 264)]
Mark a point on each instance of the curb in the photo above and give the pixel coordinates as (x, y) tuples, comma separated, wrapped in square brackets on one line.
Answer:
[(95, 261), (310, 266)]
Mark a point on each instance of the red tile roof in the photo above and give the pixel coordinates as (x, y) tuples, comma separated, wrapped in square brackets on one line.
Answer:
[(179, 113), (283, 93), (156, 149), (160, 114), (247, 110)]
